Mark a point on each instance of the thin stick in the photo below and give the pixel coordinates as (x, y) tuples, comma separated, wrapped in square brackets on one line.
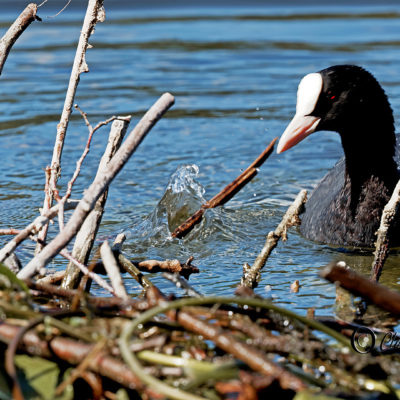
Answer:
[(382, 243), (134, 271), (33, 228), (98, 186), (361, 286), (14, 32), (93, 15), (225, 194), (182, 283), (291, 217), (110, 264), (9, 232), (100, 281)]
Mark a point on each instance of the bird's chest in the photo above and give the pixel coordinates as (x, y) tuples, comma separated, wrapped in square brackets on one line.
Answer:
[(337, 214)]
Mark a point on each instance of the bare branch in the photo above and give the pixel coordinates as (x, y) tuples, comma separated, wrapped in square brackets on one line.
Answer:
[(94, 14), (98, 186), (291, 217), (100, 281), (14, 32), (33, 228), (87, 233), (382, 243), (111, 266)]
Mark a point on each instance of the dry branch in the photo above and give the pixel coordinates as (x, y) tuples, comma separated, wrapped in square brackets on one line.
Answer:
[(246, 353), (86, 271), (182, 283), (14, 32), (73, 352), (33, 228), (98, 186), (111, 266), (382, 243), (87, 233), (225, 194), (291, 217), (360, 286), (174, 266), (94, 14)]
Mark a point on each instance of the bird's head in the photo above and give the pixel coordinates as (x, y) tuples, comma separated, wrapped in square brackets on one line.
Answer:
[(341, 98)]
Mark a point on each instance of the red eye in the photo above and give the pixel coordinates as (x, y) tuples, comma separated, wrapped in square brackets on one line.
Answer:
[(333, 97)]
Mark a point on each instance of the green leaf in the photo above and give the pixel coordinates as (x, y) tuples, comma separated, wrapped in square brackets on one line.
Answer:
[(306, 395), (39, 378), (5, 390), (13, 278)]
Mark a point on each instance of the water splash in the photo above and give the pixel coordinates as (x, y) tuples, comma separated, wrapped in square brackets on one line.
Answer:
[(182, 197)]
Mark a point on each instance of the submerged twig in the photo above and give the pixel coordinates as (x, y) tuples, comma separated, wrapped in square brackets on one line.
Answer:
[(361, 286), (251, 274), (382, 244), (98, 186), (225, 194), (14, 32)]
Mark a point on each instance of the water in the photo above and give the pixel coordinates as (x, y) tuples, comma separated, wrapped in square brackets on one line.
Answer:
[(234, 71)]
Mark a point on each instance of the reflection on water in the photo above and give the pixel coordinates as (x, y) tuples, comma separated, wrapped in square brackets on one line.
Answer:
[(234, 71)]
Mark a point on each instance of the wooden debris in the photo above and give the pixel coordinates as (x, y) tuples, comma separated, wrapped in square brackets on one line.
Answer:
[(110, 264), (225, 194), (85, 238), (98, 186), (294, 287), (357, 284), (251, 275), (382, 244), (93, 15), (15, 31)]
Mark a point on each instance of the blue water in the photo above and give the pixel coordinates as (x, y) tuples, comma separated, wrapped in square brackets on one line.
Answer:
[(234, 71)]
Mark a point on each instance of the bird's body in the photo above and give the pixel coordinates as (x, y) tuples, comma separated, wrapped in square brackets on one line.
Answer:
[(346, 206)]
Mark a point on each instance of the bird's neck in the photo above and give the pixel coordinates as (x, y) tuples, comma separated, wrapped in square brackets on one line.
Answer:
[(369, 153)]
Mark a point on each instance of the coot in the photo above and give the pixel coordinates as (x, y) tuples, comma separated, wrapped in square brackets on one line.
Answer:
[(346, 206)]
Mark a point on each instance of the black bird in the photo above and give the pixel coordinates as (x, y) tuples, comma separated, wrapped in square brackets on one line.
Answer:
[(346, 206)]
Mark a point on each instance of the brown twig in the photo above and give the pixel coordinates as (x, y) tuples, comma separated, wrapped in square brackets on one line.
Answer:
[(246, 353), (82, 367), (382, 244), (9, 232), (98, 302), (225, 194), (98, 186), (73, 352), (14, 32), (174, 266), (251, 274), (360, 286)]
